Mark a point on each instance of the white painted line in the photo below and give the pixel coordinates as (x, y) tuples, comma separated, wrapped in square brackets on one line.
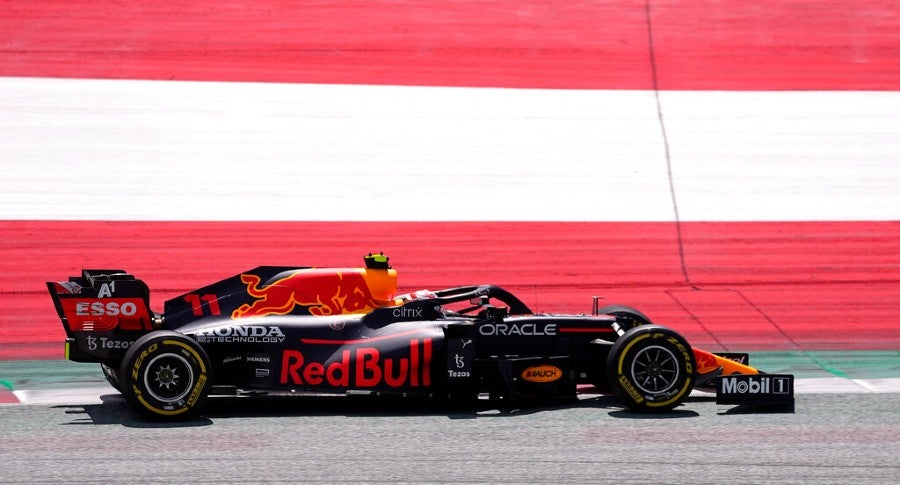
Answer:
[(785, 155), (87, 395), (830, 385), (880, 385), (163, 150)]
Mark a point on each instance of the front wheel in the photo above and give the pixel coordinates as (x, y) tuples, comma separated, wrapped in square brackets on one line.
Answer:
[(651, 369), (165, 375), (626, 316)]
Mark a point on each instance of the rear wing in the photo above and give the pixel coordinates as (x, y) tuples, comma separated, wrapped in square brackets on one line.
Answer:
[(102, 312)]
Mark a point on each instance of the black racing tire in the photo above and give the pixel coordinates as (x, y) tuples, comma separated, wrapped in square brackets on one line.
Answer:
[(165, 375), (651, 369), (111, 375), (627, 316)]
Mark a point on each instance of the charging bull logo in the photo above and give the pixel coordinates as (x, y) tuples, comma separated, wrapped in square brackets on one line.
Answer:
[(323, 292), (706, 362)]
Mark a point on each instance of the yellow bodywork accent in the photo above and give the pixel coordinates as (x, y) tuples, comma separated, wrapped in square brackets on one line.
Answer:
[(731, 367), (709, 362)]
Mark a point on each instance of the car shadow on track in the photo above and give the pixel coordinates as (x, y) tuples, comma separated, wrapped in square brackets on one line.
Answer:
[(114, 411)]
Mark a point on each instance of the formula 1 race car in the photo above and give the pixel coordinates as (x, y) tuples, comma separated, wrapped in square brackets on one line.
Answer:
[(289, 331)]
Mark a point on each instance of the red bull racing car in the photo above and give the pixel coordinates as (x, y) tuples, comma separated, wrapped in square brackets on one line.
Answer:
[(289, 331)]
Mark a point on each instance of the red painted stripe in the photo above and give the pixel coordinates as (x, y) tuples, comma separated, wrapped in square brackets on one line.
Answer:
[(765, 44), (586, 330), (777, 45), (773, 285)]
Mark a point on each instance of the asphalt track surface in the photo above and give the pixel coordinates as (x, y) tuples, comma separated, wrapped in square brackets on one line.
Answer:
[(832, 438), (73, 426)]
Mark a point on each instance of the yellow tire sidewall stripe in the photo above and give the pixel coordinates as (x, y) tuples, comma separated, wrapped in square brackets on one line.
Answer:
[(195, 392), (621, 364)]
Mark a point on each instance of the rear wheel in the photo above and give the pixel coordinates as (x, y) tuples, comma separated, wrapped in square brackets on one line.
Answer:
[(165, 375), (651, 369)]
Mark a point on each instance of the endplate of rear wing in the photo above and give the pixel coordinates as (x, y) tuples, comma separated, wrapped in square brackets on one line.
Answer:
[(102, 311)]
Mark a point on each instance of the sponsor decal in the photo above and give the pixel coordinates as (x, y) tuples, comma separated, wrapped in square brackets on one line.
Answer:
[(404, 312), (706, 362), (460, 362), (109, 308), (509, 329), (763, 389), (94, 315), (97, 343), (739, 357), (460, 357), (362, 367), (760, 385), (323, 292), (244, 334), (542, 373), (106, 290)]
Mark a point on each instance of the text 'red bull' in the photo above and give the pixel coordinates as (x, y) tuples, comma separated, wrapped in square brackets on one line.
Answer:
[(363, 367), (323, 292)]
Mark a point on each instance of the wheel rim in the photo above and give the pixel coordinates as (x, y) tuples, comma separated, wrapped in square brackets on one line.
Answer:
[(168, 378), (655, 369)]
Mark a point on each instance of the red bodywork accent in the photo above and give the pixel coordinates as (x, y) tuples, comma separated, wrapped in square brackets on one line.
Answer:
[(106, 314), (586, 330)]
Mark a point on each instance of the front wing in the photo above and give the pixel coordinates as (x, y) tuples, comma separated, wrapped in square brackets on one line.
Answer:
[(738, 383), (770, 391)]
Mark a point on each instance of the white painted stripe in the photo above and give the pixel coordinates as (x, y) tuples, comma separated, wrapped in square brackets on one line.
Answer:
[(84, 395), (156, 150), (840, 385), (880, 385), (785, 155)]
